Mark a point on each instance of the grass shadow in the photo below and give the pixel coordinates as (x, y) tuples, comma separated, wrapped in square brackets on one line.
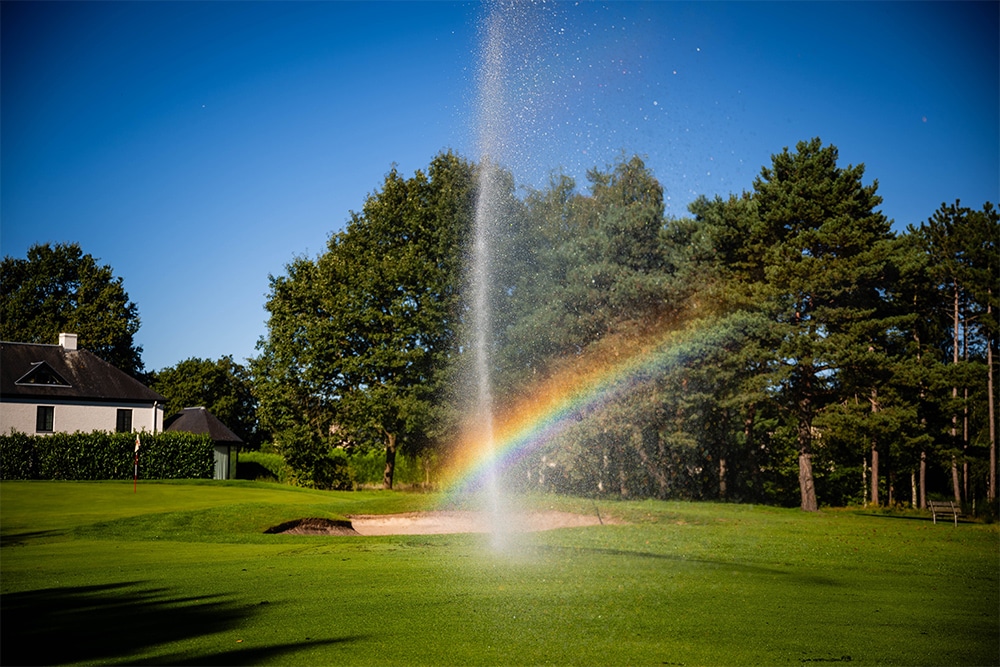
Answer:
[(21, 539), (117, 622), (915, 517), (242, 656), (732, 566)]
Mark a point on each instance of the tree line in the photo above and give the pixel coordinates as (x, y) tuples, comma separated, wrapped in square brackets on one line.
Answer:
[(820, 357), (852, 364)]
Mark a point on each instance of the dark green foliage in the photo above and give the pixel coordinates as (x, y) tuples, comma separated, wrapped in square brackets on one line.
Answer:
[(590, 266), (818, 357), (60, 289), (360, 340), (99, 455), (953, 284), (826, 374), (18, 456), (366, 469), (254, 465)]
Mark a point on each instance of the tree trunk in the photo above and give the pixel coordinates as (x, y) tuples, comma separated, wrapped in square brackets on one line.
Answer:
[(956, 485), (653, 468), (913, 488), (923, 480), (864, 481), (923, 428), (991, 491), (965, 416), (722, 477), (875, 498), (807, 485), (875, 501), (390, 460), (748, 443)]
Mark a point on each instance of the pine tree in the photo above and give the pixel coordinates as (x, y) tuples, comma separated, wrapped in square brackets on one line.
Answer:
[(824, 258)]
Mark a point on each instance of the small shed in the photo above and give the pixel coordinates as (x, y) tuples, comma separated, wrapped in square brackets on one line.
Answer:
[(202, 422)]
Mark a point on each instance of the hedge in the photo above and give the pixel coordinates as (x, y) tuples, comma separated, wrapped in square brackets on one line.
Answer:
[(99, 455)]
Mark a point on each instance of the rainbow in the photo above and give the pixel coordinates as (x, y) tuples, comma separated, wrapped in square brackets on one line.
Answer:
[(586, 384)]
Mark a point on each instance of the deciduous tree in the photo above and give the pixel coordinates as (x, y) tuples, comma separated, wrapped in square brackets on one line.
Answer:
[(222, 386), (360, 340), (60, 289)]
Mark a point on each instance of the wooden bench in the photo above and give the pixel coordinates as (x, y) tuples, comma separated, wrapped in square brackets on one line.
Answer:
[(944, 508)]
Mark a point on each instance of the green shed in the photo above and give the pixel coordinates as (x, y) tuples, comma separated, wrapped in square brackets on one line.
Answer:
[(201, 421)]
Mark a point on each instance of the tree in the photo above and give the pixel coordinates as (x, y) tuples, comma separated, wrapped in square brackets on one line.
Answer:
[(222, 386), (824, 255), (591, 283), (361, 340), (593, 265), (61, 289), (960, 245)]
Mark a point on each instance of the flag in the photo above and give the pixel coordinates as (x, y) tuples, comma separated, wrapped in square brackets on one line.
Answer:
[(135, 477)]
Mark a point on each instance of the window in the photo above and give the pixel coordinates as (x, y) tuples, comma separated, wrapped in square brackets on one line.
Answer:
[(124, 423), (44, 418)]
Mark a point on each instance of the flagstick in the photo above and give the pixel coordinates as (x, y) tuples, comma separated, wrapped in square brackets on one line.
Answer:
[(135, 477)]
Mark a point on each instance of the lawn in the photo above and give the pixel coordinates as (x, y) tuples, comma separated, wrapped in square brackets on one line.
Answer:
[(182, 574)]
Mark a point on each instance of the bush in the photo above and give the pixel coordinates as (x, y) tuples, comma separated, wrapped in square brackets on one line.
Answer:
[(259, 465), (18, 459), (367, 468), (332, 472), (99, 455), (336, 469)]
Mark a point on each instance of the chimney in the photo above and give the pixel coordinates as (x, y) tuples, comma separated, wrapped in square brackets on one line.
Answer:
[(67, 341)]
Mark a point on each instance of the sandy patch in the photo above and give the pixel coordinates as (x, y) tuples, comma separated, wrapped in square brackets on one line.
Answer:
[(437, 523)]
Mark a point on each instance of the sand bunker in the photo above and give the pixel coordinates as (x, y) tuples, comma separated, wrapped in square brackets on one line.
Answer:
[(313, 526), (435, 523)]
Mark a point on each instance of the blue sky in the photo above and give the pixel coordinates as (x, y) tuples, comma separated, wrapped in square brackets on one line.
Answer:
[(199, 147)]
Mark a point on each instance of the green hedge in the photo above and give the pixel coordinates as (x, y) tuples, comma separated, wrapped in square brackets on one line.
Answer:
[(100, 455)]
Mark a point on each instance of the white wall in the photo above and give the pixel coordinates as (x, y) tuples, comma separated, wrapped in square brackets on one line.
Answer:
[(71, 417)]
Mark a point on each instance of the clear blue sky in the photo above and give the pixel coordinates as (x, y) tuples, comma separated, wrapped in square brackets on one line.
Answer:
[(198, 147)]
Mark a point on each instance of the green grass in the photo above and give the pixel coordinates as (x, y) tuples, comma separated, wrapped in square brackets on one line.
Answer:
[(182, 573)]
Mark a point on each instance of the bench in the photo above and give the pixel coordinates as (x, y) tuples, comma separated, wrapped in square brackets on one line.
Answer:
[(944, 508)]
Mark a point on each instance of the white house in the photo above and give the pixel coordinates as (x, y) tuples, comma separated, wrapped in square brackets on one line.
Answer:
[(61, 388)]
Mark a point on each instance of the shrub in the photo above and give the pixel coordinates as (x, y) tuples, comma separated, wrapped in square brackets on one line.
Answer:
[(368, 467), (258, 465), (18, 458), (99, 455)]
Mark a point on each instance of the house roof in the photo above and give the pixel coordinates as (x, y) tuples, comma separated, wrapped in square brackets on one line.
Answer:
[(199, 420), (34, 371)]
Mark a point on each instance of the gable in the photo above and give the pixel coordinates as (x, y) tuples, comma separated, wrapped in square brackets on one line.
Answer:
[(42, 374)]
